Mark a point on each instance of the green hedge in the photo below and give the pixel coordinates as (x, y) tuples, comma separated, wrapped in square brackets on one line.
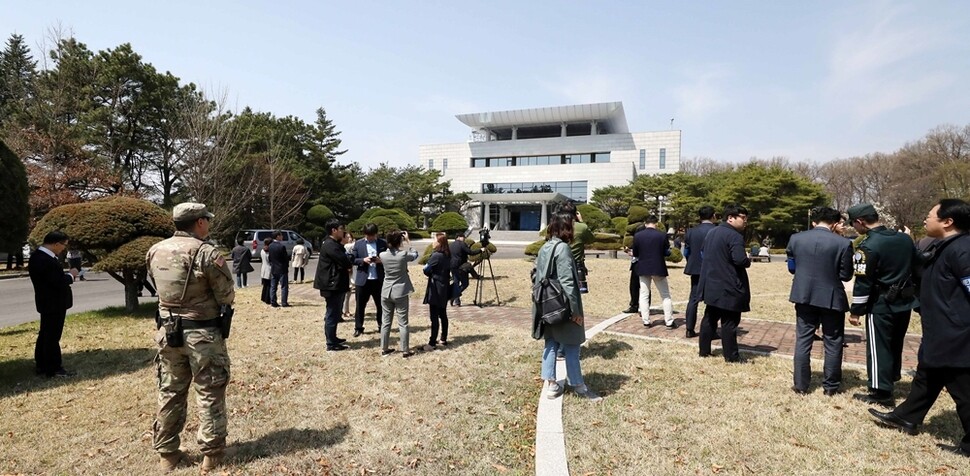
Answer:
[(450, 223), (533, 248)]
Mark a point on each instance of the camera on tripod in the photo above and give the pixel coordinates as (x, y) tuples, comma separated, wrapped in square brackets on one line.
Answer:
[(483, 236)]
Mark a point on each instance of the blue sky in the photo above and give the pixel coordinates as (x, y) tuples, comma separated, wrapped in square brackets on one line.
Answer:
[(805, 80)]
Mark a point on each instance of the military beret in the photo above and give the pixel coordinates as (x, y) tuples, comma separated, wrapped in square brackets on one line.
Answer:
[(190, 211), (860, 210)]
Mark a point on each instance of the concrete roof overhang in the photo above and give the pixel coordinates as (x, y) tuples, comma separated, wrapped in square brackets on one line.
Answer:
[(609, 112), (518, 198)]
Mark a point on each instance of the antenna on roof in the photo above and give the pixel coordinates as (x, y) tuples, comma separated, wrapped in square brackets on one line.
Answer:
[(671, 123)]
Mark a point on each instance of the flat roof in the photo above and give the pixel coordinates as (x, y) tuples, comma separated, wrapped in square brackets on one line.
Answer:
[(609, 112), (518, 198)]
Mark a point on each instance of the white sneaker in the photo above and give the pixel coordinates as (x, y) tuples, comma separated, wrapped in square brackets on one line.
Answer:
[(585, 392), (554, 390)]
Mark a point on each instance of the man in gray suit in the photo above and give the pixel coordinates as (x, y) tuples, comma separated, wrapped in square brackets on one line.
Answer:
[(820, 260)]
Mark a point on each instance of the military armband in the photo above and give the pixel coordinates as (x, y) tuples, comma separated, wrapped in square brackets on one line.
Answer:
[(859, 262)]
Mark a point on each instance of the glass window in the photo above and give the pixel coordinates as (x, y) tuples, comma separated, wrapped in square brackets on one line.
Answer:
[(479, 163), (430, 163), (601, 157), (643, 159), (663, 159), (444, 164)]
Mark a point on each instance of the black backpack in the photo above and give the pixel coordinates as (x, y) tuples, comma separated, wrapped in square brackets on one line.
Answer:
[(548, 295)]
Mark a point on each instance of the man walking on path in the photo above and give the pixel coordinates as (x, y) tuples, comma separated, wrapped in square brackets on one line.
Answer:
[(884, 261), (693, 253), (820, 260), (724, 283), (944, 297), (279, 262), (650, 248)]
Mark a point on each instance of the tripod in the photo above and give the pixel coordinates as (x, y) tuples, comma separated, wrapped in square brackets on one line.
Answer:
[(481, 278)]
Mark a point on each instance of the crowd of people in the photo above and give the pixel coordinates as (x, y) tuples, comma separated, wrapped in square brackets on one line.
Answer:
[(892, 277)]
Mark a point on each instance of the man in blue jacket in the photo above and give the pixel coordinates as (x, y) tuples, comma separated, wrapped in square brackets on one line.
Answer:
[(944, 297), (650, 247), (693, 252), (820, 260), (724, 284)]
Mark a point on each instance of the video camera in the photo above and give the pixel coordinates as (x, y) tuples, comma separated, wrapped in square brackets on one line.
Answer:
[(483, 236)]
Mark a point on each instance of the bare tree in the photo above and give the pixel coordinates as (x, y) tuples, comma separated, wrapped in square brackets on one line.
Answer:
[(284, 192)]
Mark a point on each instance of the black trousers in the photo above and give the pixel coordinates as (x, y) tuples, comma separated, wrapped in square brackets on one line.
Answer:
[(693, 303), (370, 290), (47, 351), (729, 332), (265, 294), (438, 314), (927, 385), (885, 336), (807, 319), (299, 274)]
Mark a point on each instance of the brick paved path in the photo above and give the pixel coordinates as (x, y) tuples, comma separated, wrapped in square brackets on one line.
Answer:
[(767, 337)]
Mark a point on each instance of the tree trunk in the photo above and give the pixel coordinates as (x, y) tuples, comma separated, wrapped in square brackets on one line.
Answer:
[(131, 291)]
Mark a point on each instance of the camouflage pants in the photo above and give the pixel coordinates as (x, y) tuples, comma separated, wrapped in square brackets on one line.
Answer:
[(204, 362)]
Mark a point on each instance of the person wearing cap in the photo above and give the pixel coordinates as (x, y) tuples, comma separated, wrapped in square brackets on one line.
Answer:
[(884, 259), (193, 281), (944, 297)]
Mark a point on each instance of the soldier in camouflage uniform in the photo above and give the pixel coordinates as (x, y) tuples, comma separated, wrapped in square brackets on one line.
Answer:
[(203, 359), (884, 258)]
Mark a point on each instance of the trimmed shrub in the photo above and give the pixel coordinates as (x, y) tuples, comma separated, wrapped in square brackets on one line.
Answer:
[(449, 222), (319, 214), (533, 248), (606, 246), (637, 214), (594, 218), (398, 216), (620, 224), (675, 256), (427, 254)]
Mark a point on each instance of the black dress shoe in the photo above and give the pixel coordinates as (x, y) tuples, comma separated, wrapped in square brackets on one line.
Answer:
[(876, 398), (340, 341), (286, 305), (691, 334), (358, 332), (830, 392), (798, 390), (335, 348), (890, 419), (630, 310), (274, 304)]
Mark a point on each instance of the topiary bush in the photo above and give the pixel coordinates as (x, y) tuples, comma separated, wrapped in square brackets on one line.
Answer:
[(319, 214), (427, 254), (115, 232), (594, 218), (637, 214), (675, 256), (620, 224), (533, 248), (449, 222)]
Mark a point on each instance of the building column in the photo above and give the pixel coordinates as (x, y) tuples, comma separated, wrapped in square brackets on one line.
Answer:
[(487, 217), (515, 132), (563, 130), (542, 217), (592, 128), (503, 217)]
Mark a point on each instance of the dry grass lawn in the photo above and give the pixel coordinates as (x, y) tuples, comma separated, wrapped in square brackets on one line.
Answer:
[(295, 409), (609, 289), (668, 411)]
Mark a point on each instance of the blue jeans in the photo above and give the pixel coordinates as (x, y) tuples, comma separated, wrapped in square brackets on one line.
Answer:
[(460, 283), (335, 304), (574, 374), (284, 284), (241, 279)]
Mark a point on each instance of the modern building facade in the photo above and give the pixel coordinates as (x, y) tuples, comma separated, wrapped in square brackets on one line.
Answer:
[(517, 163)]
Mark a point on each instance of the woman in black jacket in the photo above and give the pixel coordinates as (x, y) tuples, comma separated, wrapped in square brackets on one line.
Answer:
[(438, 271)]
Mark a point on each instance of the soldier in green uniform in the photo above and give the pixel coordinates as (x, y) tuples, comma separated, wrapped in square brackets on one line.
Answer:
[(884, 263), (193, 281)]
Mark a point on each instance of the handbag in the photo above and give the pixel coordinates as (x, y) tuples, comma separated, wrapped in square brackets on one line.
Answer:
[(548, 295)]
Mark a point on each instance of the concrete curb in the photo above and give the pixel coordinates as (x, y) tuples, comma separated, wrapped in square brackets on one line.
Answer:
[(13, 276), (551, 457)]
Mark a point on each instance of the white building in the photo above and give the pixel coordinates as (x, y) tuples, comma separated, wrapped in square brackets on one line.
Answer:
[(518, 162)]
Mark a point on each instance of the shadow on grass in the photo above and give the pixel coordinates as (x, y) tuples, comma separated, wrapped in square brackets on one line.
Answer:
[(17, 331), (607, 350), (417, 337), (852, 379), (605, 384), (287, 441), (18, 376)]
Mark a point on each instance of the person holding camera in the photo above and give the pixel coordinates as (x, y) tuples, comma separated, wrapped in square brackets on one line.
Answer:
[(460, 251), (396, 290), (885, 259), (194, 282), (582, 237)]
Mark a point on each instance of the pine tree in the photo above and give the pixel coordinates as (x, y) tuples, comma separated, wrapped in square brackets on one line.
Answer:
[(17, 73)]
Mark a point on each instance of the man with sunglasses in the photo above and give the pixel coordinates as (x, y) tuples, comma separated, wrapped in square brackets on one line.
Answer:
[(883, 292)]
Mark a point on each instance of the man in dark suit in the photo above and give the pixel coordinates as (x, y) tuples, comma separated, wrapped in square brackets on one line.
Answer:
[(369, 277), (279, 262), (724, 284), (693, 252), (52, 295), (650, 247), (820, 260)]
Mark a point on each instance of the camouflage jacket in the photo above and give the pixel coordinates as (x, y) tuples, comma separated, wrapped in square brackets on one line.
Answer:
[(209, 285)]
